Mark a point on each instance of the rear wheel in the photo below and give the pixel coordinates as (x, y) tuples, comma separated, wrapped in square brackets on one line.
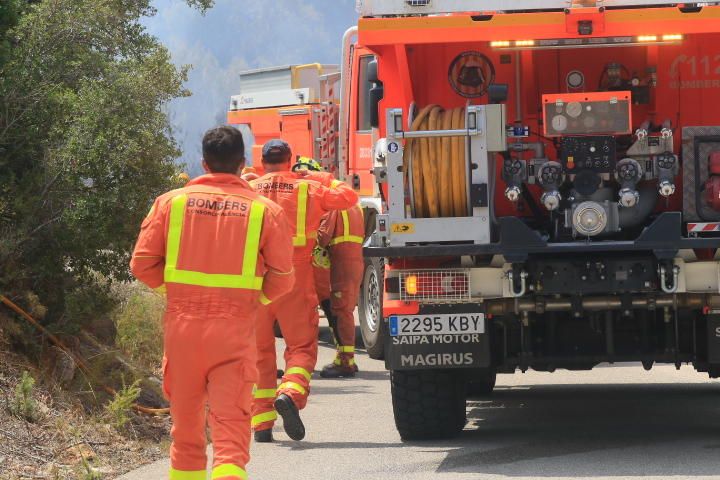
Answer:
[(372, 326), (428, 404)]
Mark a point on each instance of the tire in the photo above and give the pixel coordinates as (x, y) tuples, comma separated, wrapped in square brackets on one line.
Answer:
[(372, 325), (428, 404), (482, 384)]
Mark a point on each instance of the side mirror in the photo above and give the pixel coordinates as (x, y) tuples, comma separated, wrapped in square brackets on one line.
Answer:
[(372, 72), (376, 95), (377, 92)]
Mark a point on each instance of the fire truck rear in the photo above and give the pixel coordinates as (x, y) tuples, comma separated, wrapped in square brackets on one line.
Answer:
[(549, 173), (542, 178)]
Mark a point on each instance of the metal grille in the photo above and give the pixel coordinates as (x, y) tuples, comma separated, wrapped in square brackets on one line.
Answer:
[(450, 285)]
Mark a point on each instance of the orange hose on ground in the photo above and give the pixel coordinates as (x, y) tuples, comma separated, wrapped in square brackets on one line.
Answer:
[(78, 360)]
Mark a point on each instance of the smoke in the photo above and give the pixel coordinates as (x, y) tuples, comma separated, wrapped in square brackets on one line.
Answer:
[(238, 35)]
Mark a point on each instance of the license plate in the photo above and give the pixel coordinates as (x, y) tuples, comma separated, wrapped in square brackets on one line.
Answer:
[(451, 324)]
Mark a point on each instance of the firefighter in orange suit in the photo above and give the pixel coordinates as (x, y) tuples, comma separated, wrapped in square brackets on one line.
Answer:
[(338, 269), (305, 201), (343, 233), (218, 249)]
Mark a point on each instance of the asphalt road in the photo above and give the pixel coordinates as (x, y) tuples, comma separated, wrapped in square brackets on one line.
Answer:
[(614, 422)]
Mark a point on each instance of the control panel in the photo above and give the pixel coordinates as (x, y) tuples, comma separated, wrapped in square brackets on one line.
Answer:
[(597, 153), (592, 113)]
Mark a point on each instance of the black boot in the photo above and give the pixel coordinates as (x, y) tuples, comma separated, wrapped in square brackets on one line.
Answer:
[(290, 414), (264, 436), (342, 370), (276, 329)]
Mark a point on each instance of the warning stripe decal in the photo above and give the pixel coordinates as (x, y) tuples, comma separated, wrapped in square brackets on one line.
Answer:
[(703, 227)]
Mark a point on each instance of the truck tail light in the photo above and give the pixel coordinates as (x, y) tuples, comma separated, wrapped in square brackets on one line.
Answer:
[(441, 285), (411, 285)]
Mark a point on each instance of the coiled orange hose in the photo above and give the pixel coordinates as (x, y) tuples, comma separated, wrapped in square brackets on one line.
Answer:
[(439, 170)]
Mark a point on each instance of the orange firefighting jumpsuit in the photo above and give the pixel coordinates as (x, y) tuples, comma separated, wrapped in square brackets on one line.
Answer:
[(343, 233), (218, 249), (305, 201)]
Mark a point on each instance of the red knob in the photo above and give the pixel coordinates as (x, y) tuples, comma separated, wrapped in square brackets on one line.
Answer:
[(715, 163), (712, 193)]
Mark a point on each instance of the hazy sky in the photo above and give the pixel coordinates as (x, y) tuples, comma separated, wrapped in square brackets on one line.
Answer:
[(237, 35)]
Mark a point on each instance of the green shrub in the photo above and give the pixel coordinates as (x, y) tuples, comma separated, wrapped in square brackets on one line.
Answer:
[(23, 404), (138, 321), (119, 408)]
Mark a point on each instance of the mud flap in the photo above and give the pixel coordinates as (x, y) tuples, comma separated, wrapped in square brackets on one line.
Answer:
[(713, 323)]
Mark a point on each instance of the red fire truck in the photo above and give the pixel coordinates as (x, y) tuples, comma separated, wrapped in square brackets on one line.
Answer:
[(544, 183)]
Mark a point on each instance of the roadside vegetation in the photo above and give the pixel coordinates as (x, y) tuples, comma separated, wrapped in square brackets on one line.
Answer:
[(85, 145)]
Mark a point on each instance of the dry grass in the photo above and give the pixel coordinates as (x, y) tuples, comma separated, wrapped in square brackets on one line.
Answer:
[(138, 321), (66, 438)]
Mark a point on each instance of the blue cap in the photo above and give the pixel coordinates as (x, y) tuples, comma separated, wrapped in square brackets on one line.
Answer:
[(276, 148)]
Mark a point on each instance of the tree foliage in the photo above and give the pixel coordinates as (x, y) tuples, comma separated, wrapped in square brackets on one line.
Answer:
[(85, 142)]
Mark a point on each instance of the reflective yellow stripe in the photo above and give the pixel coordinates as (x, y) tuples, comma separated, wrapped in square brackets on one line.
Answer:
[(229, 470), (338, 361), (335, 183), (264, 393), (252, 240), (264, 300), (293, 386), (181, 475), (213, 280), (346, 237), (300, 239), (346, 349), (264, 418), (247, 280), (299, 371), (177, 218)]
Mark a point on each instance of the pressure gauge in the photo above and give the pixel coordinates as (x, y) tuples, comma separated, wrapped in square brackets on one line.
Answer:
[(575, 80), (560, 123), (574, 109)]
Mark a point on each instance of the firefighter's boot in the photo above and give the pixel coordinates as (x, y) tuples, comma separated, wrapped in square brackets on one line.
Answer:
[(290, 414), (263, 436), (344, 366)]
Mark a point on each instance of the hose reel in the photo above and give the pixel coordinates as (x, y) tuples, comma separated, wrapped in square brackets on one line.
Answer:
[(435, 167)]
